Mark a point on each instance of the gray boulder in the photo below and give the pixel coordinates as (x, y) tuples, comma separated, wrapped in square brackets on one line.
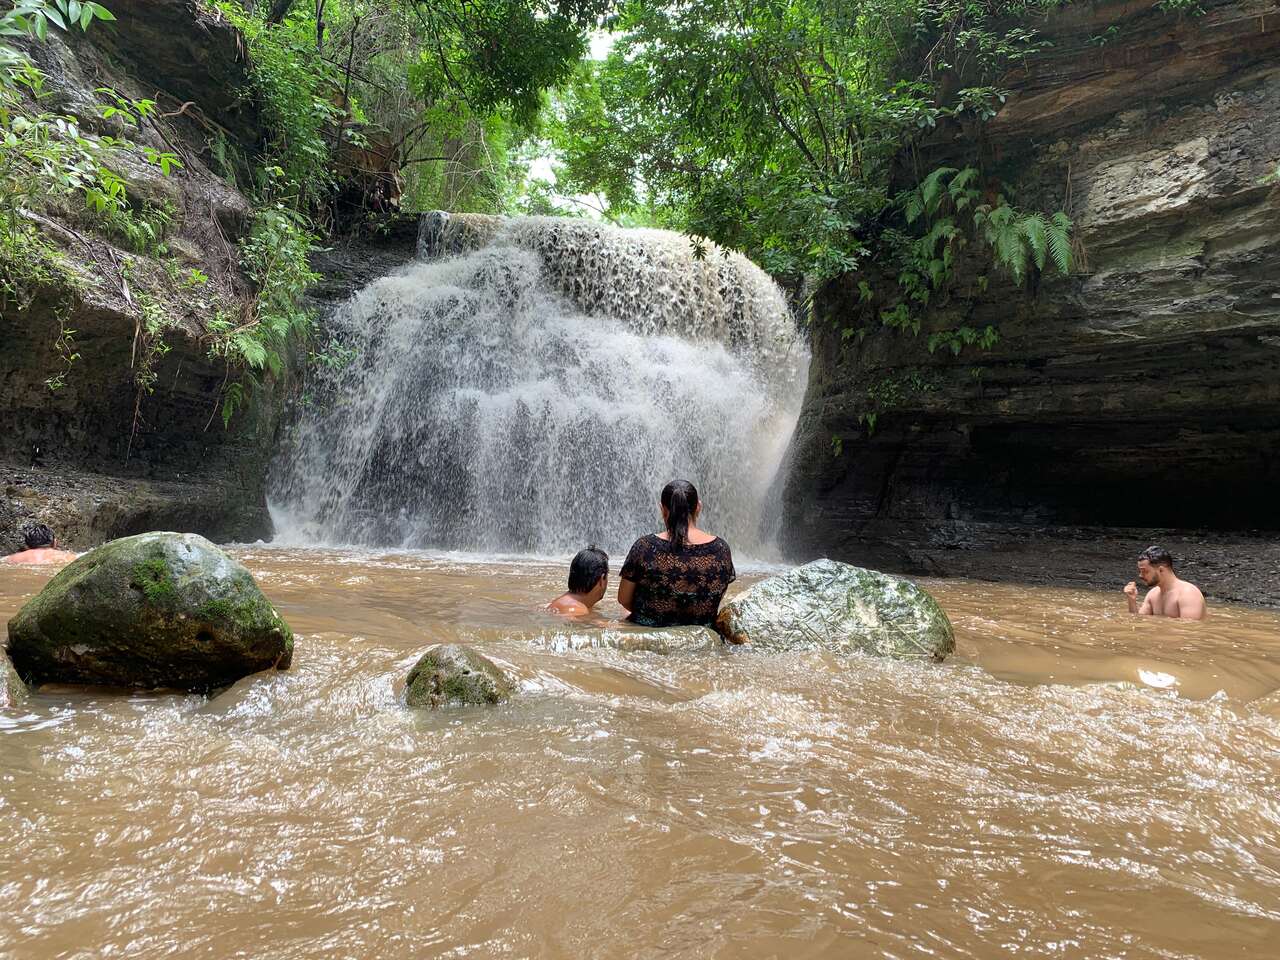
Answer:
[(155, 610), (830, 605), (453, 674)]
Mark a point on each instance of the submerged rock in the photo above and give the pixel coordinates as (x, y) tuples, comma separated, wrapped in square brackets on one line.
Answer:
[(830, 605), (13, 692), (154, 610), (663, 640), (453, 674)]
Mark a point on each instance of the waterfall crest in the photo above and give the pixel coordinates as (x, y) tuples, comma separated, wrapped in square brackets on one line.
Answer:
[(533, 395)]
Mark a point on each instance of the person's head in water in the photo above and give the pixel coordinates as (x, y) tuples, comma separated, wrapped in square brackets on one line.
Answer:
[(1150, 561), (589, 575), (680, 508), (38, 537)]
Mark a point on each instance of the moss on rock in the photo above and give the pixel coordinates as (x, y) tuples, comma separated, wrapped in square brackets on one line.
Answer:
[(834, 606), (154, 610), (453, 674)]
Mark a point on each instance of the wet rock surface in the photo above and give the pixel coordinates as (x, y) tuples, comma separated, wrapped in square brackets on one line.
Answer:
[(98, 457), (1135, 401), (828, 605), (155, 610), (451, 674), (13, 692), (665, 640)]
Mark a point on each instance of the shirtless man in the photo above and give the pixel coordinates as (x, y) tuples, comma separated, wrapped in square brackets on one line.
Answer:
[(588, 580), (1168, 596), (42, 547)]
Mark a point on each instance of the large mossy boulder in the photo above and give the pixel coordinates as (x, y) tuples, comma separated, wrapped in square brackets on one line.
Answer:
[(828, 605), (155, 610), (452, 674)]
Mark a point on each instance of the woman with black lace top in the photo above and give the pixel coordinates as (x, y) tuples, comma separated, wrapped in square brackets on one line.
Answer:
[(676, 577)]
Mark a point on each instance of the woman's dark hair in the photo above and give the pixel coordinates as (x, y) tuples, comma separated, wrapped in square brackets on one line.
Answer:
[(37, 535), (586, 569), (680, 500)]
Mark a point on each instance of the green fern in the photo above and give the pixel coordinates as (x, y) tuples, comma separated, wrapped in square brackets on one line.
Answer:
[(1033, 227), (961, 193), (912, 206), (1059, 239), (944, 229), (931, 191)]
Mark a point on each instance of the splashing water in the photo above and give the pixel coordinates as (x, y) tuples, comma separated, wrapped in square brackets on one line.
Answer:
[(535, 394)]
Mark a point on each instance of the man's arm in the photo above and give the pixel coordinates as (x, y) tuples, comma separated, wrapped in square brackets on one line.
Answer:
[(1131, 595)]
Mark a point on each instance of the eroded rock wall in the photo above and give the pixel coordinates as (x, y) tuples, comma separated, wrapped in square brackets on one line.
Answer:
[(1137, 399), (96, 458)]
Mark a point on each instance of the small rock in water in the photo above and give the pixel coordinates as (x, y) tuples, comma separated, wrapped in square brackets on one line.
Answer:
[(449, 673), (830, 605), (154, 610), (13, 692)]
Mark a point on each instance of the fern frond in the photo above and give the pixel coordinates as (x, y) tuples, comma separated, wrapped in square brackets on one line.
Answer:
[(960, 182), (1033, 228), (944, 229), (913, 206), (1007, 241), (1059, 239), (931, 188)]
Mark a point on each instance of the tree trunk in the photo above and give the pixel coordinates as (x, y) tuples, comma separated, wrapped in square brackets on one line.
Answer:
[(279, 10)]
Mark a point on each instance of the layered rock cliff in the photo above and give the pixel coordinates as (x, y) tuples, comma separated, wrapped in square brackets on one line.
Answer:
[(97, 457), (1136, 399)]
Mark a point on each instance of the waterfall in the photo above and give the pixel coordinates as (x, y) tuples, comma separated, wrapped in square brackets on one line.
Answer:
[(533, 392)]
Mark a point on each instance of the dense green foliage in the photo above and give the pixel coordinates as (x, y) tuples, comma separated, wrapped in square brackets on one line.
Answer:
[(426, 102), (374, 106), (789, 129), (47, 162)]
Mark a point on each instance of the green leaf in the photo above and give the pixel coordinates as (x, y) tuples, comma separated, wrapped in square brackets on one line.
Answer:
[(1034, 228), (1059, 239)]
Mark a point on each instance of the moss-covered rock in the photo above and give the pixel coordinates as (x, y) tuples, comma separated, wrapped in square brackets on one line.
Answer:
[(154, 610), (13, 692), (453, 674), (829, 605)]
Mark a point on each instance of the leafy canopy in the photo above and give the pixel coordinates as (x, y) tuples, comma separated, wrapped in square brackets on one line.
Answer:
[(776, 126)]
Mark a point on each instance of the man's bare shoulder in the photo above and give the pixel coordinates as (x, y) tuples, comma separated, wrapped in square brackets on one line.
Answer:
[(568, 606), (39, 557)]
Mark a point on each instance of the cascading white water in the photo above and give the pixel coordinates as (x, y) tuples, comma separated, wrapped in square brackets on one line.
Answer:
[(534, 395)]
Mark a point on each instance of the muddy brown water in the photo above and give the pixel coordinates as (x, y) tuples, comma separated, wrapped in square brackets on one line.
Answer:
[(1074, 783)]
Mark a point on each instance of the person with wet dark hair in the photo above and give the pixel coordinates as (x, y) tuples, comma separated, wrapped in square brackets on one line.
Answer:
[(1168, 596), (588, 580), (676, 577), (42, 547)]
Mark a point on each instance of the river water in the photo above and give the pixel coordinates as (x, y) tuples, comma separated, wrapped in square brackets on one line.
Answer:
[(1073, 783)]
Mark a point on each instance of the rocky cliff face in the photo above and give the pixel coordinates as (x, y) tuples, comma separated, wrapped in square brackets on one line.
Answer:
[(96, 458), (1142, 393)]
